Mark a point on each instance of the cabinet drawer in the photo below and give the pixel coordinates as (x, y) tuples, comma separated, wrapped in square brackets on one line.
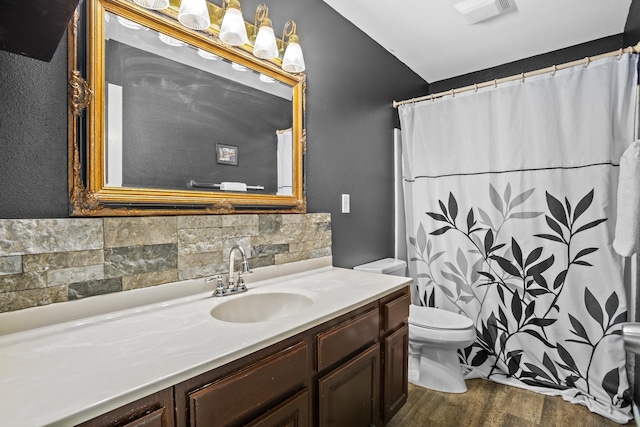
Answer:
[(293, 412), (251, 389), (155, 410), (153, 419), (396, 312), (347, 338)]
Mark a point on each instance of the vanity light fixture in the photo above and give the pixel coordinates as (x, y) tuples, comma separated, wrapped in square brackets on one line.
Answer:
[(264, 43), (233, 30), (292, 61), (153, 4), (194, 14)]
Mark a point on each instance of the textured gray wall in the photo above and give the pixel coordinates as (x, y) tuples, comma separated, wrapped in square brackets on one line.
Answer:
[(33, 136)]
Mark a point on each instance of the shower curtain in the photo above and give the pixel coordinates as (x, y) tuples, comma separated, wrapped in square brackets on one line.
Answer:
[(510, 213)]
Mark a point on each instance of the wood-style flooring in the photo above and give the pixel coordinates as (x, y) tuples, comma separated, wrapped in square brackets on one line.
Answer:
[(489, 404)]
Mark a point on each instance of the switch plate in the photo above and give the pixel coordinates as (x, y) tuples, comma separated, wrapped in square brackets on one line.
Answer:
[(346, 203)]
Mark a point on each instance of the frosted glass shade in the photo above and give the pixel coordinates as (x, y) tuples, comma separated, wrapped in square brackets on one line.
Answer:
[(233, 31), (267, 79), (194, 14), (207, 55), (238, 67), (170, 40), (153, 4), (293, 61), (265, 46), (128, 23)]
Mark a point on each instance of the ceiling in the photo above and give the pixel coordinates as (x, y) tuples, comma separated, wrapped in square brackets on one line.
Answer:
[(433, 39)]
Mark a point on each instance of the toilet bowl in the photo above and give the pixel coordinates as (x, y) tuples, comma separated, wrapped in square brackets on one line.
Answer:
[(435, 335)]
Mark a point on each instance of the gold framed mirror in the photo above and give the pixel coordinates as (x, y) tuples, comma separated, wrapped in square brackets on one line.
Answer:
[(167, 120)]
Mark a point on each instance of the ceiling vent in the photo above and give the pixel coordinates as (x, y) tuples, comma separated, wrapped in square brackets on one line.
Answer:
[(475, 11)]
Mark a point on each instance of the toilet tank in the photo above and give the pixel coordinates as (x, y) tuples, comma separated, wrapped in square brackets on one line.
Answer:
[(393, 266)]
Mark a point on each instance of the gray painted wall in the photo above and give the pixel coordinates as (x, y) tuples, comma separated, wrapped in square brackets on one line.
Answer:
[(33, 134), (632, 27)]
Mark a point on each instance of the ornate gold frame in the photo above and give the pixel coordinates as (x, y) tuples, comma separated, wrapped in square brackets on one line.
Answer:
[(87, 193)]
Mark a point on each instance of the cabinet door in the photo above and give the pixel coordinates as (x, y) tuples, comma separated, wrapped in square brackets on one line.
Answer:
[(349, 395), (155, 410), (395, 382), (293, 412)]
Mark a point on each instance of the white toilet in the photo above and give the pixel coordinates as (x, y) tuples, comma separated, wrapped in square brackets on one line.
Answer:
[(435, 335)]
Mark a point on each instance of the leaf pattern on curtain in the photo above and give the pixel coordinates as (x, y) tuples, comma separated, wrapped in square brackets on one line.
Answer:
[(528, 292)]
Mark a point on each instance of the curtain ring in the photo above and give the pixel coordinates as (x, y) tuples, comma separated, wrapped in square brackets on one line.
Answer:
[(495, 83), (453, 93), (620, 54), (433, 97), (588, 61), (522, 77), (555, 68), (476, 86)]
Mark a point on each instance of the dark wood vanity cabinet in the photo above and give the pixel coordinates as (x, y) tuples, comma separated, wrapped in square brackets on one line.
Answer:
[(349, 371)]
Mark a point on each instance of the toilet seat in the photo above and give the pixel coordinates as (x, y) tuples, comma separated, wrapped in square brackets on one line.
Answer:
[(435, 318)]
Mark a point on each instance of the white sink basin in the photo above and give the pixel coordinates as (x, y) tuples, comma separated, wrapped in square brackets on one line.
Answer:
[(261, 307)]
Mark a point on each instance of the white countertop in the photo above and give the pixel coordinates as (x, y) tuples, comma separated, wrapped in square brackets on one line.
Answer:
[(69, 372)]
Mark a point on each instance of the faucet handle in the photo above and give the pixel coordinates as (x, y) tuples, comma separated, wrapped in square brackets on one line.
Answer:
[(219, 291), (240, 285)]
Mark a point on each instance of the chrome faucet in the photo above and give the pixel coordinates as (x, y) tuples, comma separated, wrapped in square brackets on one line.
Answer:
[(231, 287)]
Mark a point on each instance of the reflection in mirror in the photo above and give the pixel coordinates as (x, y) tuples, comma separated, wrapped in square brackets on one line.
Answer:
[(168, 105)]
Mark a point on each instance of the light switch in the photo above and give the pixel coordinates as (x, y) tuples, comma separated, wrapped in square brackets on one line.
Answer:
[(346, 203)]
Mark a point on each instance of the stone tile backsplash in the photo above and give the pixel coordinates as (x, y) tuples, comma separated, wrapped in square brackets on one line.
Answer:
[(44, 261)]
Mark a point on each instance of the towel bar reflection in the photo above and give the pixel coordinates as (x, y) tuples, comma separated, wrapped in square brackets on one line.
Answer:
[(197, 184)]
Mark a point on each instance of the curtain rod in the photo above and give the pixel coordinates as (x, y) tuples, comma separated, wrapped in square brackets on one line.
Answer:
[(521, 76)]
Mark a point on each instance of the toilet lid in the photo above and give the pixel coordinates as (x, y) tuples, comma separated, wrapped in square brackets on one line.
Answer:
[(436, 318)]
